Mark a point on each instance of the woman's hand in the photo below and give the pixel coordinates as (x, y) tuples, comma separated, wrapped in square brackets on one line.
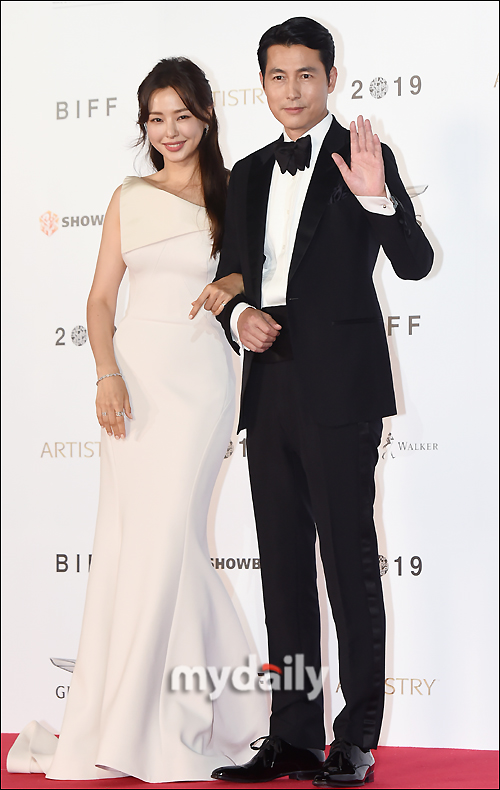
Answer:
[(112, 400), (216, 295)]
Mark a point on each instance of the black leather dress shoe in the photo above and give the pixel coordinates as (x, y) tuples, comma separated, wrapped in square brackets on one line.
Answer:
[(346, 766), (275, 758)]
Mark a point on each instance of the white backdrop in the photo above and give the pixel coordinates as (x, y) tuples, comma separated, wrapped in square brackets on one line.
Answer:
[(71, 72)]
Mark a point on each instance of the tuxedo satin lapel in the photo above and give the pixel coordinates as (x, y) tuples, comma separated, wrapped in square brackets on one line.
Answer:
[(259, 183), (325, 178)]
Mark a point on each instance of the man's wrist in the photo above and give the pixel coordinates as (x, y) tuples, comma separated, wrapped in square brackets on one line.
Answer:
[(233, 323), (378, 204)]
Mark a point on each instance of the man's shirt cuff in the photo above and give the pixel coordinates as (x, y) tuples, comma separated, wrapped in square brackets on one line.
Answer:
[(378, 205), (233, 323)]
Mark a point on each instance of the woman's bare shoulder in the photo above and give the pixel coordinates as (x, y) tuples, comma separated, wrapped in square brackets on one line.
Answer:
[(115, 198)]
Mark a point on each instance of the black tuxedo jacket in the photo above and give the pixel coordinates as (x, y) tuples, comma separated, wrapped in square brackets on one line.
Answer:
[(336, 326)]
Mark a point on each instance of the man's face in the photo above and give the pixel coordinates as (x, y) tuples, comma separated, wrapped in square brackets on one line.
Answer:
[(297, 87)]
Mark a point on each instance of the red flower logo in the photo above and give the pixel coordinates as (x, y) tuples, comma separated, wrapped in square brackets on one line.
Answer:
[(49, 223)]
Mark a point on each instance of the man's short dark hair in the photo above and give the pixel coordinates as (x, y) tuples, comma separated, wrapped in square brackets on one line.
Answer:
[(298, 30)]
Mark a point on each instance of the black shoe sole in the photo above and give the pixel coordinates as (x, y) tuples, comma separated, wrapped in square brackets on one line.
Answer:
[(299, 775), (304, 775), (370, 777)]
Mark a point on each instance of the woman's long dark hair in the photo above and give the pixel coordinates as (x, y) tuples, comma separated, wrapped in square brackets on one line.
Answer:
[(190, 82)]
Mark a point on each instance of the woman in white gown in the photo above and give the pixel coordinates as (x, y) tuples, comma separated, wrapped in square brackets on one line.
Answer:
[(166, 404)]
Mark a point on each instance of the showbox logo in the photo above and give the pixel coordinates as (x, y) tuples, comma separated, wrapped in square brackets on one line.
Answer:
[(49, 222)]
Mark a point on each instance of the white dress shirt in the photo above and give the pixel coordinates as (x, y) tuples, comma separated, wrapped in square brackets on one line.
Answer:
[(286, 199)]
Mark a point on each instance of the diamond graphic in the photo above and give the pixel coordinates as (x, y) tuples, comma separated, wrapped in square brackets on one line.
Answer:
[(79, 335), (383, 563), (230, 450), (378, 87)]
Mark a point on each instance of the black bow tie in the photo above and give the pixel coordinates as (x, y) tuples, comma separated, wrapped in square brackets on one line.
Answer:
[(293, 156)]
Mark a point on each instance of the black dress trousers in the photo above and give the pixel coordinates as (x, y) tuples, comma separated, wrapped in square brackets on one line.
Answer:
[(306, 477)]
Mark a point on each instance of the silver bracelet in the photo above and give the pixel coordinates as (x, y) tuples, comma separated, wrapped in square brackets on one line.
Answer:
[(107, 376)]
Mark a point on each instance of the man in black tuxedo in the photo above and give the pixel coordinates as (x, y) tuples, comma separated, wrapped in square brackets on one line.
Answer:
[(305, 220)]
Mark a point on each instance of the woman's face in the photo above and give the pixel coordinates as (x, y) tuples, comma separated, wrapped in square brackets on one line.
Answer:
[(172, 129)]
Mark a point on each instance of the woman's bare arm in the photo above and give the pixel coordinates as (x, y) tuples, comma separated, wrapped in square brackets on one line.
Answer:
[(216, 295), (112, 395)]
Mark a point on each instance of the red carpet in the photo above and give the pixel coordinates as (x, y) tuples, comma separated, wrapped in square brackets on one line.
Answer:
[(397, 768)]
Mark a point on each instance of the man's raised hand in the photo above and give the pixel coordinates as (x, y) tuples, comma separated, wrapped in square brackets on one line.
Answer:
[(366, 176)]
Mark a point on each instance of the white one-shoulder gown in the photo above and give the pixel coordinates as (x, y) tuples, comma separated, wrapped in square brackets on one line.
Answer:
[(154, 601)]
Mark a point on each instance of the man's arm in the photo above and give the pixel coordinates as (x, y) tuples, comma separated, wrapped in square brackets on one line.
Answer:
[(401, 237), (230, 257), (255, 331), (372, 165)]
